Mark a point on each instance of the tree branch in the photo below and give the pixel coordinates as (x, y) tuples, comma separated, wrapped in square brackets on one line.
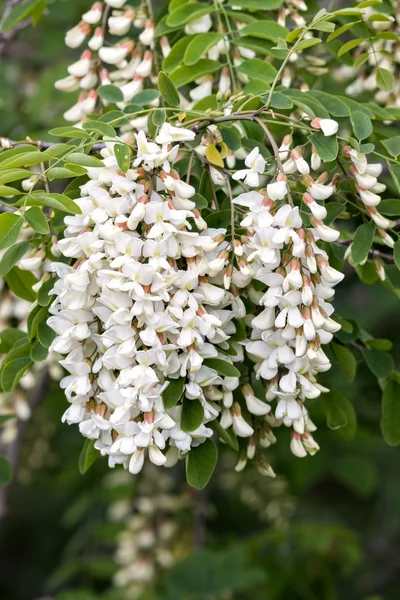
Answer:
[(8, 37)]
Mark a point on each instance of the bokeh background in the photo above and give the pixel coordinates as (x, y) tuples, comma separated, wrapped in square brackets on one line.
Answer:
[(327, 528)]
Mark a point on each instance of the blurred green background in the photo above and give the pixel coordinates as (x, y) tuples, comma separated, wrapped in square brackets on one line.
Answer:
[(327, 528)]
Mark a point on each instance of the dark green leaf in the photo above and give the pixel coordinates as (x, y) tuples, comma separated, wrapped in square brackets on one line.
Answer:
[(222, 367), (362, 125), (267, 30), (21, 282), (173, 393), (12, 256), (123, 156), (87, 456), (167, 89), (346, 360), (188, 12), (37, 220), (200, 464), (199, 45), (192, 414), (380, 363), (384, 79), (110, 93), (185, 74), (8, 337), (327, 147), (255, 68), (392, 145), (362, 242), (10, 226)]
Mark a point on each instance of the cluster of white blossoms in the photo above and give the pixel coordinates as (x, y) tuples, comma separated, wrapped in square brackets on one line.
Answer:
[(150, 293), (295, 320), (376, 54), (156, 530), (124, 63), (137, 308), (368, 189)]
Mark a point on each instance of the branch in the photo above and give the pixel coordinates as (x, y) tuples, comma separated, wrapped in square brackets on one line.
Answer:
[(376, 253), (6, 143), (8, 37)]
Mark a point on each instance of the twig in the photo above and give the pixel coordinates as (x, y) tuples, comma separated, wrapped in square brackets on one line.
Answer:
[(8, 37), (384, 255)]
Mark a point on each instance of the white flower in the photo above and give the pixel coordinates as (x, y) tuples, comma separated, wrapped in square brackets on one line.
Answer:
[(328, 126), (256, 165), (169, 134)]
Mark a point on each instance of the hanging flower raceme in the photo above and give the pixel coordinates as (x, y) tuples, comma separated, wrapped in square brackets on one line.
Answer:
[(294, 322), (136, 309)]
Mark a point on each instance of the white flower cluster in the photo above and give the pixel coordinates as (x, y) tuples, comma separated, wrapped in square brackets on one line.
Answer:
[(385, 54), (368, 188), (156, 530), (124, 63), (287, 335), (137, 308)]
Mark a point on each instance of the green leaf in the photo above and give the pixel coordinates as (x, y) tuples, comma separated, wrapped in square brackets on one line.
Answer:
[(37, 220), (68, 132), (200, 464), (333, 209), (21, 282), (87, 456), (227, 436), (45, 334), (222, 367), (5, 418), (341, 30), (255, 68), (43, 294), (39, 352), (188, 12), (167, 89), (12, 256), (6, 471), (333, 105), (256, 4), (349, 46), (327, 147), (27, 159), (192, 414), (185, 74), (384, 79), (7, 191), (281, 101), (199, 45), (177, 53), (200, 201), (145, 97), (362, 125), (110, 93), (12, 372), (380, 363), (390, 207), (390, 419), (8, 337), (10, 226), (18, 13), (396, 254), (340, 414), (392, 145), (58, 201), (266, 30), (123, 156), (294, 34), (84, 160), (346, 360), (363, 239), (9, 175), (308, 43), (173, 393), (103, 129)]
